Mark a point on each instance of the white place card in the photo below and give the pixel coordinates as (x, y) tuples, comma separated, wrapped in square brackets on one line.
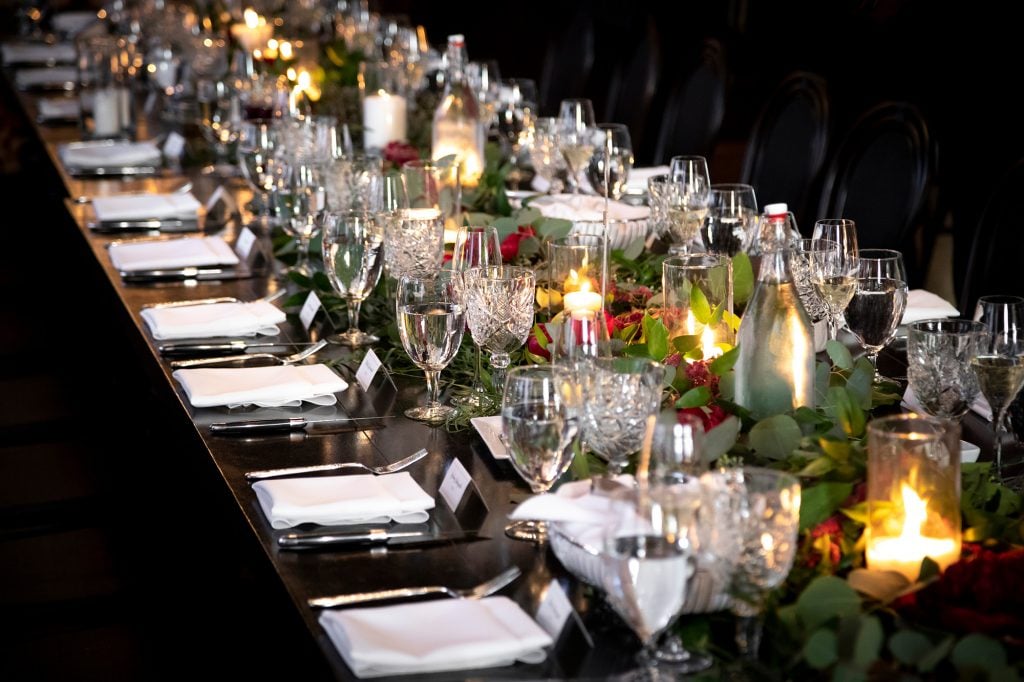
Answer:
[(309, 310), (244, 244), (221, 196), (174, 147), (554, 610), (454, 485), (368, 369)]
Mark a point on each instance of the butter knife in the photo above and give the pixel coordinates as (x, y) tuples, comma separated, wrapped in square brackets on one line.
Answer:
[(374, 536)]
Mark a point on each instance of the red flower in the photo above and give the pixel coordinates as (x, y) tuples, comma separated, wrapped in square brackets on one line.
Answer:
[(510, 245), (672, 360), (699, 375), (400, 152), (710, 415), (620, 322), (829, 534), (533, 344)]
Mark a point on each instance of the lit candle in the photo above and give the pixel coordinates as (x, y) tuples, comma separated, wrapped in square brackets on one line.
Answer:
[(254, 32), (707, 344), (582, 300), (691, 323), (384, 120), (903, 553), (458, 138), (106, 112), (285, 51)]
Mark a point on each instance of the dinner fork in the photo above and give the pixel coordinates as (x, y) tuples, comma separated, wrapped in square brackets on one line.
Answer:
[(482, 590), (386, 469), (282, 360)]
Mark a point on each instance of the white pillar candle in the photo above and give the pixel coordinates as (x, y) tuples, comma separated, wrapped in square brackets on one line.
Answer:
[(383, 120), (582, 300), (106, 112)]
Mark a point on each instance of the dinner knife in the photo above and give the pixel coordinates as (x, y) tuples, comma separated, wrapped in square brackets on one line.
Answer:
[(374, 536), (145, 224), (259, 427), (182, 274), (185, 350)]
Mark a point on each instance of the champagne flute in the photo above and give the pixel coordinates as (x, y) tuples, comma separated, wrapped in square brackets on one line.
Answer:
[(499, 309), (576, 136), (999, 366), (877, 306), (352, 246), (475, 247), (731, 218), (834, 275), (1000, 314), (619, 162), (540, 420), (431, 323)]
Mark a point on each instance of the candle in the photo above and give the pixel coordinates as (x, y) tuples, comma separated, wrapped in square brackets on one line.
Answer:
[(582, 300), (458, 138), (384, 120), (254, 32), (903, 553), (106, 112), (707, 344)]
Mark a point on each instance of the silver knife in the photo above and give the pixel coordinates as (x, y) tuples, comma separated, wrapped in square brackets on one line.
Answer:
[(257, 427), (143, 276), (374, 536), (145, 224), (192, 349)]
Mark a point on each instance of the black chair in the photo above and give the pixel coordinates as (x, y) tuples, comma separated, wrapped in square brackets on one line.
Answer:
[(693, 113), (788, 143), (993, 266), (879, 177), (633, 87), (567, 63)]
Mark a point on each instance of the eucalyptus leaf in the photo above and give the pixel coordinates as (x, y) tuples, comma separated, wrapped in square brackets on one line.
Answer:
[(776, 437), (821, 650), (977, 653), (827, 597), (822, 372), (928, 662), (695, 397), (720, 439), (861, 381), (742, 277), (471, 218), (839, 354), (505, 226), (820, 501), (634, 249), (869, 641), (552, 228), (909, 647), (527, 215), (528, 247)]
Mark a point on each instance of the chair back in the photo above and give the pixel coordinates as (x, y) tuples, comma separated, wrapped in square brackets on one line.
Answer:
[(693, 114), (633, 86), (567, 63)]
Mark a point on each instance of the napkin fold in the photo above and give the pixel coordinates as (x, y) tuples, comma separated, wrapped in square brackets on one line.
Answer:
[(40, 76), (215, 319), (141, 206), (278, 386), (637, 182), (490, 429), (583, 207), (52, 108), (102, 153), (343, 500), (405, 639), (72, 22), (38, 53), (171, 253), (924, 305)]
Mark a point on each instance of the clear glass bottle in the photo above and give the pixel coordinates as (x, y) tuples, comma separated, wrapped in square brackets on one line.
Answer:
[(775, 368), (458, 127)]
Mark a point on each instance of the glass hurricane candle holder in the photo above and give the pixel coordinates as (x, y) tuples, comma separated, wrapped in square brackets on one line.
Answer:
[(698, 300), (913, 493), (574, 270)]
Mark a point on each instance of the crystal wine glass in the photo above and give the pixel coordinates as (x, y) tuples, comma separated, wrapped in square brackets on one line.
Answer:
[(800, 265), (999, 366), (499, 309), (877, 306), (1000, 314), (517, 107), (352, 246), (475, 247), (431, 323), (939, 354), (576, 136), (297, 199), (731, 217), (834, 275), (257, 141), (540, 412), (621, 159), (679, 208)]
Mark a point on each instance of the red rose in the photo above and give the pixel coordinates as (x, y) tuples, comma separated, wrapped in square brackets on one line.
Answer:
[(533, 344), (624, 320), (699, 375), (710, 415), (400, 152), (510, 245)]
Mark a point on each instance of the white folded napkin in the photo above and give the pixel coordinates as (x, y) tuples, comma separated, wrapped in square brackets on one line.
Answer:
[(434, 636), (171, 253), (215, 319), (100, 154), (979, 406), (71, 23), (924, 305), (638, 177), (489, 429), (59, 108), (343, 500), (52, 75), (583, 207), (278, 386), (38, 53), (139, 206)]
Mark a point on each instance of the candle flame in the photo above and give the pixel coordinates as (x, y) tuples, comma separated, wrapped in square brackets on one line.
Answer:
[(915, 513), (585, 285), (691, 323), (252, 20), (285, 50), (707, 344)]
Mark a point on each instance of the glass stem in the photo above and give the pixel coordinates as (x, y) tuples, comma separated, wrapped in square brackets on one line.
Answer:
[(997, 429), (748, 635), (833, 326), (432, 386), (353, 315), (499, 367), (302, 265), (478, 385)]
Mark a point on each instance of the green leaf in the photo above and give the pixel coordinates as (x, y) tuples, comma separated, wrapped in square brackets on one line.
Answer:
[(775, 437), (869, 641), (929, 570), (817, 467), (685, 342), (821, 649), (634, 249), (724, 362), (732, 320), (699, 304), (580, 465), (695, 397), (528, 215), (822, 372), (505, 226), (928, 662), (742, 278), (553, 228), (720, 439), (860, 383), (827, 597), (976, 653), (839, 354), (846, 411), (909, 647), (836, 448), (636, 350), (820, 501), (656, 334)]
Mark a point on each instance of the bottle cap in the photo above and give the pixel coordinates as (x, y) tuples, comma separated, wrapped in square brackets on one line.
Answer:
[(776, 209), (457, 39)]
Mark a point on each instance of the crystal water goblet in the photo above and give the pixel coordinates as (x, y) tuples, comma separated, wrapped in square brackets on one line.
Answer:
[(475, 247), (352, 246), (731, 218), (939, 354)]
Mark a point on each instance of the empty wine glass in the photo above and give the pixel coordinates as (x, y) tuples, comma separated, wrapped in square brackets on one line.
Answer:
[(499, 309), (768, 519), (352, 245), (540, 420), (841, 230), (834, 274), (939, 354), (475, 247), (999, 366), (297, 199), (877, 306), (621, 159), (576, 136), (731, 217), (257, 140), (1000, 315), (220, 116), (430, 323), (545, 153)]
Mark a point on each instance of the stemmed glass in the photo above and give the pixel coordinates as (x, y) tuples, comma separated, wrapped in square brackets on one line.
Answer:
[(834, 274), (576, 136), (621, 159), (220, 118), (431, 323), (877, 306), (731, 217), (297, 198), (1001, 314), (540, 412), (843, 231), (352, 246), (678, 207), (939, 354), (518, 105), (475, 247), (499, 309), (800, 265), (768, 512), (257, 140), (545, 153), (999, 366)]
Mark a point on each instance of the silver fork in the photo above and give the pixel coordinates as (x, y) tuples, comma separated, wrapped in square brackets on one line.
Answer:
[(282, 360), (386, 469), (482, 590)]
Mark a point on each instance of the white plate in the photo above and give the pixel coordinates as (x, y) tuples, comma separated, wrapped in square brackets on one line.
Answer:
[(489, 429)]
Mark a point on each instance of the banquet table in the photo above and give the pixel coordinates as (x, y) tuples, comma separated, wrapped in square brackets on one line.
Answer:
[(294, 577)]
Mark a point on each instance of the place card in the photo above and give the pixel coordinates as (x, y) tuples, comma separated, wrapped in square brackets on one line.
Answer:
[(309, 310), (554, 610), (220, 206), (174, 147), (244, 243), (368, 369), (454, 485)]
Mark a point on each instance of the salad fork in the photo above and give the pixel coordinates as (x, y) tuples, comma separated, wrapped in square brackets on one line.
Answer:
[(482, 590)]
